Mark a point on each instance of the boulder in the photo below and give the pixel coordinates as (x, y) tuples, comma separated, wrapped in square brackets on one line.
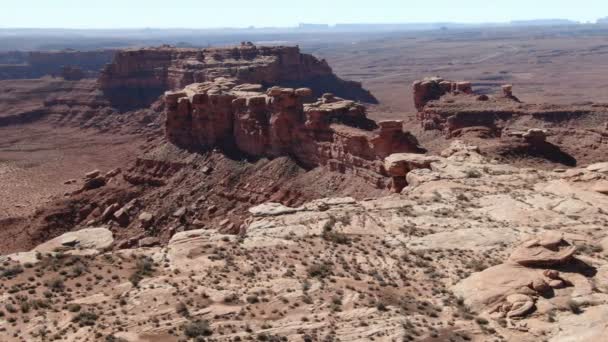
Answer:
[(92, 174), (113, 172), (149, 241), (94, 183), (399, 164), (180, 212), (109, 211), (547, 250), (122, 216), (146, 218), (535, 135), (98, 239), (484, 290), (598, 167), (519, 309)]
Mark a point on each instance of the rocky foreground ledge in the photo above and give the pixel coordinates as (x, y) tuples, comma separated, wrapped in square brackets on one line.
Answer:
[(469, 250)]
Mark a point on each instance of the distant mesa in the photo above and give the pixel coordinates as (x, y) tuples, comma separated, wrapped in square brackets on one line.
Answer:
[(35, 64)]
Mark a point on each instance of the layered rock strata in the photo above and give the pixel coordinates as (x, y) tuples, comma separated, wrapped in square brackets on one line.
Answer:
[(454, 108), (243, 119), (432, 88), (138, 76)]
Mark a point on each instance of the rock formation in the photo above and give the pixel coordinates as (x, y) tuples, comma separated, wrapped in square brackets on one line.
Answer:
[(432, 88), (243, 119), (547, 250), (511, 128), (138, 76), (472, 250)]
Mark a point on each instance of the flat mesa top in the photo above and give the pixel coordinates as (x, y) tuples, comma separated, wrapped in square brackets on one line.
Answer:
[(211, 49)]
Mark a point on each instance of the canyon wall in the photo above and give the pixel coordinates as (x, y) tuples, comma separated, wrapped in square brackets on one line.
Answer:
[(248, 121), (137, 77), (23, 65)]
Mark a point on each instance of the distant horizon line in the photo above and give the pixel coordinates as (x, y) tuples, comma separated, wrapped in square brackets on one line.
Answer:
[(311, 25)]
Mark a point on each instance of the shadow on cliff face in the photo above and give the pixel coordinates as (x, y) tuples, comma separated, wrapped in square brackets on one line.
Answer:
[(542, 150), (349, 90), (126, 99)]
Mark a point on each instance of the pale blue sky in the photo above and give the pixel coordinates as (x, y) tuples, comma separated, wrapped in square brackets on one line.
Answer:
[(242, 13)]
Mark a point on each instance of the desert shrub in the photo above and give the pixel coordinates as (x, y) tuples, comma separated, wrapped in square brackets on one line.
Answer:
[(322, 270), (144, 267), (112, 338), (381, 306), (574, 306), (56, 285), (182, 309), (85, 318), (252, 299), (73, 307), (10, 308), (472, 173), (481, 321), (12, 271), (231, 298), (197, 328), (332, 236), (329, 225)]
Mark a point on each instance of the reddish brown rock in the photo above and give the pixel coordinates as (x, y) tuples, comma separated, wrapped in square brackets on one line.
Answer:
[(546, 250), (244, 119), (432, 88), (137, 77)]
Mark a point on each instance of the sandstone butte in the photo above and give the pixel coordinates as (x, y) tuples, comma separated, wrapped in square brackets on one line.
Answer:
[(244, 119), (137, 77), (221, 231)]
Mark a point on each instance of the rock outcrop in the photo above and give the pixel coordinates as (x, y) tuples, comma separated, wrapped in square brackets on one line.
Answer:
[(138, 76), (244, 119), (561, 134), (441, 261), (547, 250), (453, 107), (432, 88), (96, 239)]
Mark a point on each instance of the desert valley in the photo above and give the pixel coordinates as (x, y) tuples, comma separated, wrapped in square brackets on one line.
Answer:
[(440, 185)]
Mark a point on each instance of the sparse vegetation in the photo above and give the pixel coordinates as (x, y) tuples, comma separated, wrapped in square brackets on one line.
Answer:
[(144, 267), (197, 329)]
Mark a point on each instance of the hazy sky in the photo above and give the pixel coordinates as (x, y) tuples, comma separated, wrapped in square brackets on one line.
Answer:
[(259, 13)]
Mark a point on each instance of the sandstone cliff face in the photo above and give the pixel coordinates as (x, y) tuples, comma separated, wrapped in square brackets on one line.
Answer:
[(138, 77), (432, 88), (242, 119), (563, 134)]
